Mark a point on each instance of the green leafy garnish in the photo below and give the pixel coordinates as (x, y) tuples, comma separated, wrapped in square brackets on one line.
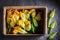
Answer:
[(52, 36)]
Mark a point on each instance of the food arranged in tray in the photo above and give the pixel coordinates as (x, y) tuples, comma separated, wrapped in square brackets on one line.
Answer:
[(24, 21)]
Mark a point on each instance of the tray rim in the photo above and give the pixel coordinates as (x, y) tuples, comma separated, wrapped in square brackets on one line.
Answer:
[(22, 7)]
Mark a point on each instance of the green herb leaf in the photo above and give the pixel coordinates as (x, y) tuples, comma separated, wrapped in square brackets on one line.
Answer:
[(52, 13), (52, 35), (32, 28), (8, 20), (51, 16), (28, 27), (35, 22), (53, 24), (22, 31), (9, 28), (33, 14), (12, 24)]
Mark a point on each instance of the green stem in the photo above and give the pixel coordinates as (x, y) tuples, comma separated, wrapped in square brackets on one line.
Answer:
[(9, 28), (49, 20), (50, 31)]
